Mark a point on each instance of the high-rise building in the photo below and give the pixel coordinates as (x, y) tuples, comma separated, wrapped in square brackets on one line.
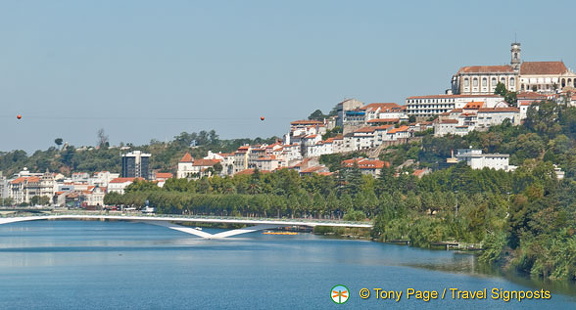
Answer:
[(136, 165)]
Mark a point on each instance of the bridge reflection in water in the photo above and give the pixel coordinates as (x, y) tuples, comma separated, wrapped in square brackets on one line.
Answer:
[(169, 221)]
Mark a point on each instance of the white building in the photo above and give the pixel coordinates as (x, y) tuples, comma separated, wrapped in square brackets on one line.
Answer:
[(119, 184), (487, 117), (23, 188), (304, 128), (540, 76), (476, 160), (94, 196), (102, 178), (191, 168), (429, 106)]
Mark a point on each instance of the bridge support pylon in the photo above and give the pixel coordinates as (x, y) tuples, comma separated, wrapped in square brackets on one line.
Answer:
[(205, 235)]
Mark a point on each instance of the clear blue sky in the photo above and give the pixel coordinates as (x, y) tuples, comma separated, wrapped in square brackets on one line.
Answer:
[(145, 70)]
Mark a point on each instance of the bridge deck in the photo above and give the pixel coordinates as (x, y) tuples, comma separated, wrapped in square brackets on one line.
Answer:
[(168, 221)]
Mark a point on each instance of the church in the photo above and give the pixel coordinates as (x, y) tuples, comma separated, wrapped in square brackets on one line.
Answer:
[(518, 76)]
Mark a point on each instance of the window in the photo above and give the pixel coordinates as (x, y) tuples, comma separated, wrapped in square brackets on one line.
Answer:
[(484, 82), (466, 82), (475, 82), (511, 81)]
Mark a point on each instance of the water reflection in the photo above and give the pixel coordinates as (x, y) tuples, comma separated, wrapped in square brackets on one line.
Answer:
[(140, 255)]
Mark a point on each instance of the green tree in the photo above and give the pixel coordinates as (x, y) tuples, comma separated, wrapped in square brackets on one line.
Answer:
[(317, 116), (58, 142), (500, 89)]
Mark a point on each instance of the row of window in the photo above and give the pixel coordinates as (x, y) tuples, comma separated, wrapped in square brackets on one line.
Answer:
[(494, 82), (431, 106), (427, 112), (430, 101)]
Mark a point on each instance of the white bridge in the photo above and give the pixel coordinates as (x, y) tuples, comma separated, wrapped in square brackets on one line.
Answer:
[(169, 222)]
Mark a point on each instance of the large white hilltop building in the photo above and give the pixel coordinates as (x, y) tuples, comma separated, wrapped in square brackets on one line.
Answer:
[(540, 76)]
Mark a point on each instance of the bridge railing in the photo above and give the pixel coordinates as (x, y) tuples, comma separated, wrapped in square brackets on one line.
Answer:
[(178, 216)]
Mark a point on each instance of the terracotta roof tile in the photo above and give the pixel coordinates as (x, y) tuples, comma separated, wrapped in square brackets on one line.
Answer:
[(365, 129), (498, 110), (542, 67), (486, 69), (473, 105), (164, 175), (399, 129), (187, 158), (124, 180), (205, 162), (384, 120), (449, 121), (364, 163)]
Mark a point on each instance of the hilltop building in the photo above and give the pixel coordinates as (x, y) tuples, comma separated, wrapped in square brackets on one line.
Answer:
[(539, 76)]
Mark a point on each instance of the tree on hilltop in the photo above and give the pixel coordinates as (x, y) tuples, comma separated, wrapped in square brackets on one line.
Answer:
[(500, 89), (509, 96), (317, 116), (59, 142)]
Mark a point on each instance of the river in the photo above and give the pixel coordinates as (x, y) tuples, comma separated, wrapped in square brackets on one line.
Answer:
[(122, 265)]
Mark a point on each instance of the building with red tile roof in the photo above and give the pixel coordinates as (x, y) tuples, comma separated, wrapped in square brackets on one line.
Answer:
[(118, 185), (191, 168), (367, 166), (24, 187), (163, 176), (541, 76)]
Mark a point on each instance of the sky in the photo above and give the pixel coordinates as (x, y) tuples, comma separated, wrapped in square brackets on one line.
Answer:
[(145, 70)]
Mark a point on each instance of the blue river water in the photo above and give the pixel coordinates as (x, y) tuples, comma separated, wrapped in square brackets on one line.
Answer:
[(122, 265)]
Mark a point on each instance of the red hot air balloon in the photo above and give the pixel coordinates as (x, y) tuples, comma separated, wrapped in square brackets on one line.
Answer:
[(18, 116), (261, 118)]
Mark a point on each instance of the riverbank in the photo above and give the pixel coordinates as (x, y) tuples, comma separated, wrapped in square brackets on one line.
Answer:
[(495, 260)]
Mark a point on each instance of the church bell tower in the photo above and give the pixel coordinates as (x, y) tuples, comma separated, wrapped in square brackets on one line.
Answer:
[(515, 56)]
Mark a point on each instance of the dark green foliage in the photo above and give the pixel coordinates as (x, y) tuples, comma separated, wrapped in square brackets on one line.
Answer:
[(317, 116), (332, 133), (500, 89)]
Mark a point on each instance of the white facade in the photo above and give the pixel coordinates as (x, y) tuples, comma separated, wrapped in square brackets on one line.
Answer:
[(429, 106), (119, 184), (476, 160), (491, 117), (102, 178), (23, 188)]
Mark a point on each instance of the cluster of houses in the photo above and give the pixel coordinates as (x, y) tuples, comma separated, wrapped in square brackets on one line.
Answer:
[(469, 105), (81, 189)]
